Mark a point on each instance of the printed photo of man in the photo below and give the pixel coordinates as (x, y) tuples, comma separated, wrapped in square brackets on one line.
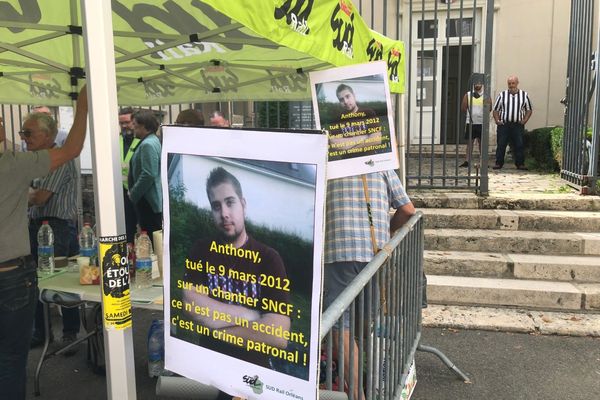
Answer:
[(229, 268)]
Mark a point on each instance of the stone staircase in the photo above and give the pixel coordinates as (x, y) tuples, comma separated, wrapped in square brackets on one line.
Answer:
[(521, 264)]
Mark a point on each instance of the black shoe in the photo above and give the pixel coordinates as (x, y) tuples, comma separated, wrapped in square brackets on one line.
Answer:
[(66, 340), (464, 165), (522, 168), (497, 166)]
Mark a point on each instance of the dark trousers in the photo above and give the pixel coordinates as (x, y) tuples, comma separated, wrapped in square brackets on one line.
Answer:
[(65, 244), (510, 132), (18, 292), (149, 220), (130, 217)]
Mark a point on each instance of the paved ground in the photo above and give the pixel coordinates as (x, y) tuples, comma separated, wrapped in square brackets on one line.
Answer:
[(501, 366)]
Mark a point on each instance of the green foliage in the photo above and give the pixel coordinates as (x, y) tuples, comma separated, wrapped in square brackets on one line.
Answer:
[(538, 148), (273, 114), (556, 143)]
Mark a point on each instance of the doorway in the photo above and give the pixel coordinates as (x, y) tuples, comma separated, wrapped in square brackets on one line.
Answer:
[(456, 70)]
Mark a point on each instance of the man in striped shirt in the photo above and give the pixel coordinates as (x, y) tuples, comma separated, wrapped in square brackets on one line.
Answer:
[(512, 110), (53, 198)]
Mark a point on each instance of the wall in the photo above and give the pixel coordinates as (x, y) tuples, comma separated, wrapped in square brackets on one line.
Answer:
[(531, 41)]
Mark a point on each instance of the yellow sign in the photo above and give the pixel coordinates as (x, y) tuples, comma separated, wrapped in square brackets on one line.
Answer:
[(115, 282)]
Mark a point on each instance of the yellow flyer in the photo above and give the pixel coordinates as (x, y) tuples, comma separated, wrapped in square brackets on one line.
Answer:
[(115, 282)]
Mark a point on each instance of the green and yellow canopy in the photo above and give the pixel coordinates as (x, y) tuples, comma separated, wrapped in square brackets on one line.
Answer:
[(180, 51)]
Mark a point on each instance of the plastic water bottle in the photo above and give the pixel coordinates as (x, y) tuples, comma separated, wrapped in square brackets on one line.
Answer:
[(87, 241), (156, 348), (45, 238), (143, 261)]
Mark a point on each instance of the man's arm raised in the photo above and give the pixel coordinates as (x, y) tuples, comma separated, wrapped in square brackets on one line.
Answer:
[(74, 142)]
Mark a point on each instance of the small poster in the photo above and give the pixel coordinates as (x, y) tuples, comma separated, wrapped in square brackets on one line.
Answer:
[(353, 105), (243, 222), (116, 295)]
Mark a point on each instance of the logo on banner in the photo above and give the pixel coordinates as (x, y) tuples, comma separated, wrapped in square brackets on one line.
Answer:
[(393, 61), (159, 88), (342, 24), (288, 83), (375, 50), (297, 16), (219, 79), (43, 86), (255, 383)]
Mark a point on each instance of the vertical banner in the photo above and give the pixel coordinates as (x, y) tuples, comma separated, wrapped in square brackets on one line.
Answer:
[(243, 223), (115, 282), (353, 105)]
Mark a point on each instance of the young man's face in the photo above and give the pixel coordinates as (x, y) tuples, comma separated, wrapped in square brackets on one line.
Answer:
[(228, 211), (347, 100)]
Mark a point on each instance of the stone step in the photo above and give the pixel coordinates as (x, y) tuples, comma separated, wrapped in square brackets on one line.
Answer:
[(525, 220), (512, 320), (524, 201), (530, 294), (519, 266), (528, 242)]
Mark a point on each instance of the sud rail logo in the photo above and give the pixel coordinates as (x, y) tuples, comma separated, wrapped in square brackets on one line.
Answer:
[(296, 17), (393, 61), (342, 25), (255, 383), (374, 50)]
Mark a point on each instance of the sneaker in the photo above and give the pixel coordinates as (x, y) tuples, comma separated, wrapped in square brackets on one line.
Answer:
[(67, 340), (497, 166), (464, 165)]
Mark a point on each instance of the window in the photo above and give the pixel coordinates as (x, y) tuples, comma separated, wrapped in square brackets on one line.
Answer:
[(427, 29), (456, 27)]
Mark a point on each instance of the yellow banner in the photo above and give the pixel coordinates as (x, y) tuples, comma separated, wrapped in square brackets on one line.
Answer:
[(115, 282)]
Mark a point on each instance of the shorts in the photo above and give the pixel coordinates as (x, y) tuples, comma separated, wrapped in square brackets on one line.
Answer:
[(338, 276), (476, 131)]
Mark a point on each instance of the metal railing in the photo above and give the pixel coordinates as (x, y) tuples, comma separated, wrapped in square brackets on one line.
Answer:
[(579, 153), (384, 305)]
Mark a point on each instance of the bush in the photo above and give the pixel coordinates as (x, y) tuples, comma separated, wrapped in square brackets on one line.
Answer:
[(556, 142), (539, 150)]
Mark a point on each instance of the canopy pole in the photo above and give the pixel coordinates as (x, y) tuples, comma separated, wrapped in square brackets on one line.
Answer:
[(102, 91)]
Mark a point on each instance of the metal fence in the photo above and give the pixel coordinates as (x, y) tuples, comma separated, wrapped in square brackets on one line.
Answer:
[(580, 145), (384, 304), (447, 43)]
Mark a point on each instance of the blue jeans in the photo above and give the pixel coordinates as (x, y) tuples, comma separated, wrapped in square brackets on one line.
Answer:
[(65, 244), (513, 132), (18, 292)]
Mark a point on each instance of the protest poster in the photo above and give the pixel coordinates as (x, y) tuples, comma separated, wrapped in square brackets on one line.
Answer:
[(353, 105), (243, 218)]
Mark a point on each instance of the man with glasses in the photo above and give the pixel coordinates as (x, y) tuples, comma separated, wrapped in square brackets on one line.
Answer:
[(18, 280), (53, 198)]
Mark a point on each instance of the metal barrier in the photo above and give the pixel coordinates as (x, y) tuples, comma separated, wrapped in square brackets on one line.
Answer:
[(384, 303), (448, 42), (580, 154)]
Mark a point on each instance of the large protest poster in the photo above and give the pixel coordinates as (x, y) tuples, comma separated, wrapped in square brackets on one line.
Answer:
[(353, 105), (243, 223)]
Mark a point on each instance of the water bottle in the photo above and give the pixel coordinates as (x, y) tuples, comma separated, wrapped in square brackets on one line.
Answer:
[(156, 348), (143, 262), (45, 238), (87, 241)]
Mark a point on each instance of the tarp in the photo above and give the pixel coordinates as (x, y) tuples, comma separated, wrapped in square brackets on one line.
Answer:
[(181, 51)]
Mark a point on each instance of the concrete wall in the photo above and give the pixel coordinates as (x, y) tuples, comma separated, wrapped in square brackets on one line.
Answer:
[(531, 41)]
